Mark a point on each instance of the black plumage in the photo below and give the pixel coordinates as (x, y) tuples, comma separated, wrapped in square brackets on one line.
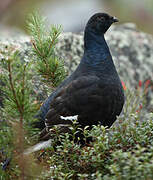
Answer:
[(93, 91)]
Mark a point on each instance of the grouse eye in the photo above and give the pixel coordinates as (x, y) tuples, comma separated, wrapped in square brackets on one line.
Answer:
[(101, 19)]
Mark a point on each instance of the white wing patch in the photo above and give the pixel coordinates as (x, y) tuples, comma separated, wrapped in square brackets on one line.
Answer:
[(69, 117)]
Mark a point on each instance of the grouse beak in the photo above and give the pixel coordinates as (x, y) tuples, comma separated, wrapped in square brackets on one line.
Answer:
[(114, 19)]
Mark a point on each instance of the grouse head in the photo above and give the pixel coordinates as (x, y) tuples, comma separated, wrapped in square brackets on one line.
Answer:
[(100, 22)]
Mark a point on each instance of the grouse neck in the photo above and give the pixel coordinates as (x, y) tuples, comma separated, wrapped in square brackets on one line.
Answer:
[(95, 48)]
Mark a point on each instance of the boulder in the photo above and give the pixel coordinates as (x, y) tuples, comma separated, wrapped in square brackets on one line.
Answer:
[(132, 52)]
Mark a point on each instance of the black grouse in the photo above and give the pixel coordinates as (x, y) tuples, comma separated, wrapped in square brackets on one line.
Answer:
[(94, 91)]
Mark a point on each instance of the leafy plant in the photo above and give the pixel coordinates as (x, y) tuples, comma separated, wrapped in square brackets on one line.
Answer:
[(19, 103), (48, 65), (19, 108)]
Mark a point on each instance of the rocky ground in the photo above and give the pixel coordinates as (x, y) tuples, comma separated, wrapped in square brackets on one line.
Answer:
[(132, 52)]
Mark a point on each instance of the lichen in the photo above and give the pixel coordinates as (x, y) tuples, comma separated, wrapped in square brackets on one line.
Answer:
[(132, 52)]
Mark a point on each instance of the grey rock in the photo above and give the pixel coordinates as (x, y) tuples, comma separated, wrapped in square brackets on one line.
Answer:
[(132, 52), (131, 49)]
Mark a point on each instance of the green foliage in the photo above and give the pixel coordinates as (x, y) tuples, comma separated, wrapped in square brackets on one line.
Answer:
[(108, 157), (134, 165), (49, 66), (17, 79), (19, 103), (18, 111), (121, 152)]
